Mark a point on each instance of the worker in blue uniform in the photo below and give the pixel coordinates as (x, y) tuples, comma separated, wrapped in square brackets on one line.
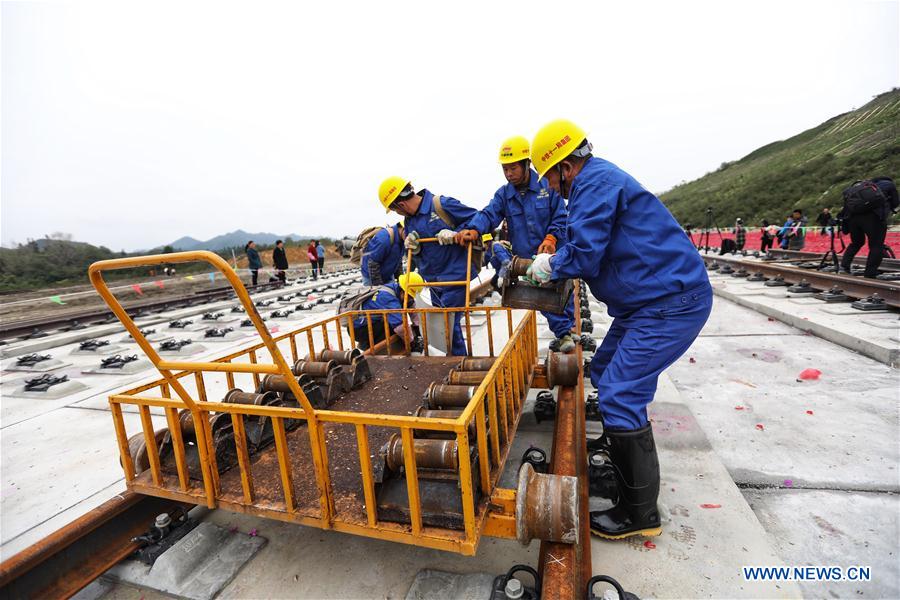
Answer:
[(536, 218), (632, 254), (429, 216), (388, 296), (383, 255)]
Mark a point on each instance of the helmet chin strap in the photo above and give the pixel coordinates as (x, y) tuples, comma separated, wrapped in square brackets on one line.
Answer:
[(564, 192)]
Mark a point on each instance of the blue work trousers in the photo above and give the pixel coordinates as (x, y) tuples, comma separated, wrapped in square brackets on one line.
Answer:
[(562, 324), (640, 346), (446, 297)]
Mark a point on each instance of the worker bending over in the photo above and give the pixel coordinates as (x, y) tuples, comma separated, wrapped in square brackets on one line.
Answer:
[(536, 218), (429, 216), (388, 297), (383, 255), (633, 256)]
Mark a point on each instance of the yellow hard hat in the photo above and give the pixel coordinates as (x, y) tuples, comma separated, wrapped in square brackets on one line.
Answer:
[(389, 189), (553, 142), (513, 150), (486, 237), (412, 284)]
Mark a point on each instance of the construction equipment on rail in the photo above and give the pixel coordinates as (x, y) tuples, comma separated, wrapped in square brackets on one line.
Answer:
[(384, 444)]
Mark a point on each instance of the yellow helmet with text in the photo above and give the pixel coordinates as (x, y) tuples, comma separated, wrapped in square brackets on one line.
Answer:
[(514, 149), (553, 142), (389, 189)]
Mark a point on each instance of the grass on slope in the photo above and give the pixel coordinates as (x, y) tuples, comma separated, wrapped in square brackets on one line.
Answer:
[(807, 171)]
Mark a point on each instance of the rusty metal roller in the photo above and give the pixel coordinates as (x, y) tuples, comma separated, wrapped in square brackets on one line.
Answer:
[(238, 396), (442, 395), (276, 383), (483, 363), (426, 413), (518, 266), (546, 507), (561, 369), (466, 377), (430, 454), (341, 357), (137, 447), (313, 368)]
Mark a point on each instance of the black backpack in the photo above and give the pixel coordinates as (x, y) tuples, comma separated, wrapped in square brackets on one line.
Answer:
[(863, 197)]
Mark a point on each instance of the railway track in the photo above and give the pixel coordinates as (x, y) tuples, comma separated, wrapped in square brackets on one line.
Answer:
[(888, 265), (854, 287), (30, 328), (66, 561)]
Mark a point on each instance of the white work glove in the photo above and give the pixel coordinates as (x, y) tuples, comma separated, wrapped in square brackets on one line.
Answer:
[(412, 242), (445, 237), (540, 271)]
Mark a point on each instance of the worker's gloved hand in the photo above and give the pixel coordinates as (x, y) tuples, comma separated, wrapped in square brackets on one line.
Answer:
[(465, 236), (445, 237), (540, 271), (412, 242), (548, 246)]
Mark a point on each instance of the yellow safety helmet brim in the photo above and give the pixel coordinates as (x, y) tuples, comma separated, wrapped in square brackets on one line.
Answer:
[(389, 189), (514, 149), (412, 283), (486, 237), (553, 142)]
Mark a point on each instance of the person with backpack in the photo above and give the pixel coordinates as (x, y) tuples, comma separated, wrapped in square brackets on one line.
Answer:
[(630, 251), (867, 205), (312, 255), (767, 239), (384, 297), (379, 253), (536, 220), (427, 215), (279, 259), (796, 232), (253, 261)]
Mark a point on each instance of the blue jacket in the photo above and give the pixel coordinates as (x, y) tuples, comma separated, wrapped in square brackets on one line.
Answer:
[(383, 253), (624, 243), (439, 263), (530, 215), (497, 255), (253, 259), (389, 297), (320, 250)]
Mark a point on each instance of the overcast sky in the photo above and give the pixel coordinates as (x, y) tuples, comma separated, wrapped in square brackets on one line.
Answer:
[(130, 125)]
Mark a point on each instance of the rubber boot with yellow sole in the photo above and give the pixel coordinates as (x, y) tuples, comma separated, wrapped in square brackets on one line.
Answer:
[(633, 455)]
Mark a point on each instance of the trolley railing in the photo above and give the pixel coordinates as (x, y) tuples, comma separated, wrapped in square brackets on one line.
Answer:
[(493, 413)]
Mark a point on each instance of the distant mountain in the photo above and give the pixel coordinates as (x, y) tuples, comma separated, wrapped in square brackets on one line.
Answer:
[(233, 239), (806, 171)]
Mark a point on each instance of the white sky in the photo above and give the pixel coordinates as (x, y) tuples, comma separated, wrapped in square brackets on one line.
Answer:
[(130, 125)]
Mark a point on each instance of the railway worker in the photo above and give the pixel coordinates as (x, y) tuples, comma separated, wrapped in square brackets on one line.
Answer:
[(631, 253), (536, 218), (867, 207), (426, 215), (383, 255), (388, 297)]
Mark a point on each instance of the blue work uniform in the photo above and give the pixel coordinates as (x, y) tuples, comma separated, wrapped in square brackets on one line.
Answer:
[(382, 256), (632, 254), (388, 297), (531, 214), (442, 263)]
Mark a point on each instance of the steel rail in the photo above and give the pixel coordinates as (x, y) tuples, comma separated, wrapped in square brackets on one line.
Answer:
[(855, 287), (66, 561), (891, 265)]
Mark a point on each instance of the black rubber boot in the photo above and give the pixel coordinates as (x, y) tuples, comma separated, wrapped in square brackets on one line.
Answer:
[(633, 455)]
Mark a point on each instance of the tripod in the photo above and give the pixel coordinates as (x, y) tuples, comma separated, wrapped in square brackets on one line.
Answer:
[(708, 224), (831, 251)]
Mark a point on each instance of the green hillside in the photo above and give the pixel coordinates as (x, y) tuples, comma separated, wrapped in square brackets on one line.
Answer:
[(807, 171)]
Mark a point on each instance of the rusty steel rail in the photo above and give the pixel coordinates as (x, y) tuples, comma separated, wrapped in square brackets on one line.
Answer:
[(566, 568), (69, 559), (855, 287), (891, 265)]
